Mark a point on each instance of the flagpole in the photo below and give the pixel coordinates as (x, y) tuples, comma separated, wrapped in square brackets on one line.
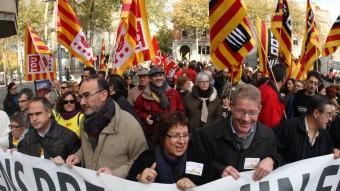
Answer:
[(270, 68)]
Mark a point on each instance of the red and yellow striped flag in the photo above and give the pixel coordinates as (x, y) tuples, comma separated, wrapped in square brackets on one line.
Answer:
[(102, 65), (39, 61), (70, 34), (311, 48), (282, 29), (333, 39), (230, 35), (133, 42)]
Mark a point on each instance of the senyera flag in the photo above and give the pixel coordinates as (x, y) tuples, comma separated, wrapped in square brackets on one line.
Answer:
[(39, 61), (333, 39), (230, 35), (311, 48), (281, 27), (133, 41), (70, 34)]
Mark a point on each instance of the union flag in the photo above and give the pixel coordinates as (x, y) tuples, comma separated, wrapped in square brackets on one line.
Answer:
[(39, 61), (70, 34), (133, 41)]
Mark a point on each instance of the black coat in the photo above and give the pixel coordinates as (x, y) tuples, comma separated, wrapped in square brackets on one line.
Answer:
[(147, 158), (293, 141), (220, 146), (334, 131), (11, 104), (58, 141)]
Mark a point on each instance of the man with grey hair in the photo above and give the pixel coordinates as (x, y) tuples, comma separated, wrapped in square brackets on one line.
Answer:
[(240, 143)]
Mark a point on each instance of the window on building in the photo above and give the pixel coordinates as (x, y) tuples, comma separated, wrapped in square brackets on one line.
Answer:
[(204, 50), (184, 33)]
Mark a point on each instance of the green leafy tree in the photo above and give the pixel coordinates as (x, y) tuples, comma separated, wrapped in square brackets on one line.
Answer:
[(164, 37), (95, 15)]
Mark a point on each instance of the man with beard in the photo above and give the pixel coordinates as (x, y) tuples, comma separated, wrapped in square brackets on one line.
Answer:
[(111, 138), (157, 98)]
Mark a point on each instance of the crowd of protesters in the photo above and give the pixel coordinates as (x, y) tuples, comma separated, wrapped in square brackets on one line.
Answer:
[(188, 125)]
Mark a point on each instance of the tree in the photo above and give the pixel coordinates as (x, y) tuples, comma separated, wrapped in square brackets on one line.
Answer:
[(157, 13), (164, 37), (95, 15), (192, 14)]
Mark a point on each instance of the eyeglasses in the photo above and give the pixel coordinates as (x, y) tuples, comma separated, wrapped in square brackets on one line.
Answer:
[(244, 113), (14, 126), (63, 87), (87, 95), (178, 137), (69, 101), (22, 101)]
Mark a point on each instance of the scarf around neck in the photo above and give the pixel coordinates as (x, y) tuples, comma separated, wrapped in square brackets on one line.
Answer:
[(169, 170), (95, 123), (160, 92), (68, 115)]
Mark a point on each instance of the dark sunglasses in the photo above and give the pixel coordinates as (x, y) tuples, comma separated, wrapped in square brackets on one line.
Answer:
[(69, 101), (14, 126), (63, 87)]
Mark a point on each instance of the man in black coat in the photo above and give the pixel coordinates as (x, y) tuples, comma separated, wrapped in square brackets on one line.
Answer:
[(47, 139), (240, 143), (306, 136)]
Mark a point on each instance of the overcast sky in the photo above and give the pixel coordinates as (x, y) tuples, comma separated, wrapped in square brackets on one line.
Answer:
[(333, 6)]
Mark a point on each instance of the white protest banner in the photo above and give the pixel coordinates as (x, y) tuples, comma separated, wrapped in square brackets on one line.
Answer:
[(22, 172)]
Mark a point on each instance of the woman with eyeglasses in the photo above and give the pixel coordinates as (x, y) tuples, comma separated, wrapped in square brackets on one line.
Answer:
[(69, 114), (19, 126), (175, 159)]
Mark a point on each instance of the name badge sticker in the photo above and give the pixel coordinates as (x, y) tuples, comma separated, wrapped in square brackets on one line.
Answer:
[(194, 168), (251, 163)]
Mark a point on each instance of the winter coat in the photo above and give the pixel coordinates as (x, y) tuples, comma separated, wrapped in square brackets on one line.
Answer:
[(58, 141), (273, 107), (11, 104), (148, 104), (293, 141), (193, 107), (147, 158), (119, 144), (221, 148)]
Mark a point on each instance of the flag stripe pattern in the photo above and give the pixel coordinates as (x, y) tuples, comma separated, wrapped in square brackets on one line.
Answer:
[(133, 44), (39, 61), (70, 34), (230, 35), (333, 39), (311, 47), (282, 29)]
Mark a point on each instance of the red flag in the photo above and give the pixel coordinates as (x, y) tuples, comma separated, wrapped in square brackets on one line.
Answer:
[(102, 65), (158, 54)]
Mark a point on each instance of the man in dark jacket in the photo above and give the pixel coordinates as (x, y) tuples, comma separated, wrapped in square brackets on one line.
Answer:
[(296, 103), (47, 139), (240, 143), (306, 136)]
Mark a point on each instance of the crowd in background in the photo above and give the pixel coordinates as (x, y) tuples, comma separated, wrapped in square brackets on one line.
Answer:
[(189, 124)]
